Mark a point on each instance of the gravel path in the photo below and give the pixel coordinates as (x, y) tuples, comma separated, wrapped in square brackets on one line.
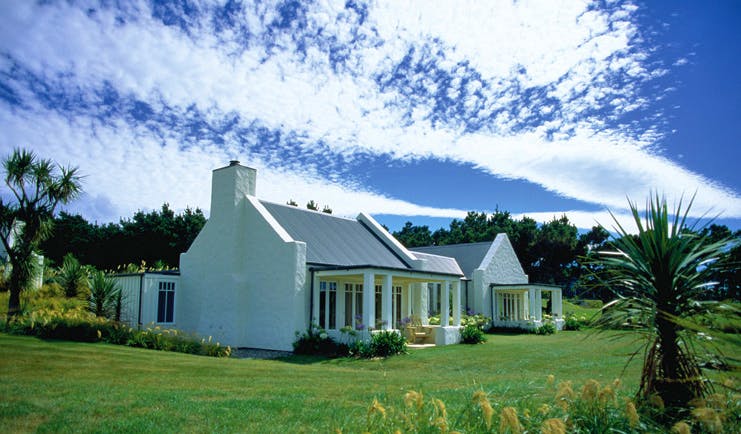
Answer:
[(253, 353)]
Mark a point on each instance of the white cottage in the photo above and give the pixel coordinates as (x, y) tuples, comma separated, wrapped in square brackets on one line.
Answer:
[(258, 272)]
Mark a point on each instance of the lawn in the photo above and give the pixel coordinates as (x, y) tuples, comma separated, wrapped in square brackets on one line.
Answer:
[(54, 386)]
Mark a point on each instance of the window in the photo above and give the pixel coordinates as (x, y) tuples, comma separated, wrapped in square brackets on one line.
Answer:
[(166, 302), (353, 304), (328, 305)]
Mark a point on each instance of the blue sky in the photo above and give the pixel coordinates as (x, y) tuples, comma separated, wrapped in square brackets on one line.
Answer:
[(414, 110)]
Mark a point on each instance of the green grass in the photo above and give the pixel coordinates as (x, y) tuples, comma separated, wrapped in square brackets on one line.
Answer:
[(53, 386), (570, 308)]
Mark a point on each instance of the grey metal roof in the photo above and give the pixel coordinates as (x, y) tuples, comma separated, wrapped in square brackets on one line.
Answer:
[(468, 256), (332, 240), (439, 264)]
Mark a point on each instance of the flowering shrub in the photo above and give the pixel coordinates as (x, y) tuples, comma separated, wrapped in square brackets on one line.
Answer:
[(572, 322), (315, 341), (546, 329), (82, 326), (471, 334)]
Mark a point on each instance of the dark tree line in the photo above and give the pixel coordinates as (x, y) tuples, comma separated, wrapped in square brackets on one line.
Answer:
[(154, 237), (554, 252)]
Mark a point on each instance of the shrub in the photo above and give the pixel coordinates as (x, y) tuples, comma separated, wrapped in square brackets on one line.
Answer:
[(572, 323), (387, 343), (472, 334), (82, 326), (546, 329), (316, 341)]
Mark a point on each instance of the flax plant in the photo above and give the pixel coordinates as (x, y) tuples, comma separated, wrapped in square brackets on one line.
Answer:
[(658, 275)]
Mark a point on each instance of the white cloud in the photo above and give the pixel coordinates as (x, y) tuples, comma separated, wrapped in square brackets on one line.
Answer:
[(563, 47)]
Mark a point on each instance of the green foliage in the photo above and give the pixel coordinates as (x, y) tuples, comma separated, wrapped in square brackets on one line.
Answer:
[(547, 328), (105, 298), (37, 187), (661, 272), (385, 343), (58, 319), (472, 334), (572, 322), (149, 237), (72, 277), (593, 409), (315, 341)]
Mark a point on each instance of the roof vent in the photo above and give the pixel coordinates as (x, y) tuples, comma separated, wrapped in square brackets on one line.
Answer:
[(234, 162)]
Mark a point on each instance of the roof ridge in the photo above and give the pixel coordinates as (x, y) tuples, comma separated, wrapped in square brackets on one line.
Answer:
[(297, 208)]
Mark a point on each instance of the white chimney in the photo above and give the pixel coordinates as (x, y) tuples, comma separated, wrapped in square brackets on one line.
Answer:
[(229, 185)]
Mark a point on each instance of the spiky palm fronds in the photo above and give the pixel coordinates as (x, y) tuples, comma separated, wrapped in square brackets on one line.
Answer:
[(26, 220), (105, 296), (658, 274), (72, 277)]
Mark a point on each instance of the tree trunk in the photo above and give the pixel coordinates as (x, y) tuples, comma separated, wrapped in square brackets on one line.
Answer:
[(678, 375), (14, 303)]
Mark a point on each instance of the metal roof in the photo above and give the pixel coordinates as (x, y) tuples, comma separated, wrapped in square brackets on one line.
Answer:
[(439, 264), (469, 256), (332, 240)]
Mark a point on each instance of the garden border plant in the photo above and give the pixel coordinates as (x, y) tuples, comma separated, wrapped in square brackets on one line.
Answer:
[(82, 326)]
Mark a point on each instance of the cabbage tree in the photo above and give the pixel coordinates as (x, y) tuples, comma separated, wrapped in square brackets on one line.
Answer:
[(659, 274), (37, 187)]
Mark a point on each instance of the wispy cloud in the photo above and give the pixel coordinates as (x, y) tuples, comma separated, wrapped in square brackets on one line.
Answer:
[(149, 98)]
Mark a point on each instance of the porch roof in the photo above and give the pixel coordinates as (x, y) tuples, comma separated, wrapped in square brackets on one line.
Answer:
[(403, 272)]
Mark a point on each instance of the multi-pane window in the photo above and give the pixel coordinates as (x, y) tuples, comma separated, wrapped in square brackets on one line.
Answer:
[(166, 302), (353, 304), (328, 305)]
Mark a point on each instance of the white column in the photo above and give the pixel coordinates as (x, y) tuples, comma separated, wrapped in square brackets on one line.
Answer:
[(457, 302), (421, 304), (387, 302), (369, 300), (531, 296), (557, 303), (340, 318), (315, 301), (445, 304), (538, 305), (410, 302)]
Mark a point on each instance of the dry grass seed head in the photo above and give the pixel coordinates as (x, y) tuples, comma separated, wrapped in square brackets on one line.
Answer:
[(632, 414), (655, 401), (550, 379), (377, 408), (590, 390), (553, 426), (413, 399), (544, 409), (709, 418), (681, 428), (479, 397), (606, 395), (509, 422)]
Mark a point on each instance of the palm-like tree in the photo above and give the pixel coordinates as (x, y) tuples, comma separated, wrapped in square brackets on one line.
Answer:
[(72, 277), (105, 296), (37, 187), (658, 274)]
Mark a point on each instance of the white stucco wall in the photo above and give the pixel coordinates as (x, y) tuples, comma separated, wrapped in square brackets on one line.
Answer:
[(242, 280), (500, 265)]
